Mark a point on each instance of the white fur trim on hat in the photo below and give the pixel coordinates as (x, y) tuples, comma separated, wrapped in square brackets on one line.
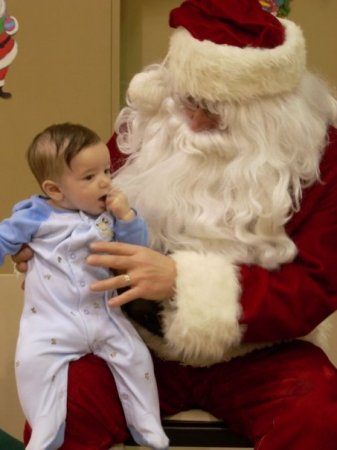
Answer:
[(202, 323), (205, 70)]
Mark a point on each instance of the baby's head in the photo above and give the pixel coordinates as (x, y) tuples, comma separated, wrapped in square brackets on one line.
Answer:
[(52, 150), (72, 166)]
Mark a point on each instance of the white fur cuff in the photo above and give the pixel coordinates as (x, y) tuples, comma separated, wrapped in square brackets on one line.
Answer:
[(216, 72), (202, 325)]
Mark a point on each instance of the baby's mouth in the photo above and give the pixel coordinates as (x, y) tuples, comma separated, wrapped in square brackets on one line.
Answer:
[(103, 198)]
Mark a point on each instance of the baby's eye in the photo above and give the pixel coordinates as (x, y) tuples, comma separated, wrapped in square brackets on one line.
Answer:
[(108, 171), (88, 177)]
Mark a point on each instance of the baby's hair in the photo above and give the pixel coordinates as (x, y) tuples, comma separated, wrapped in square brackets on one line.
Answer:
[(55, 147)]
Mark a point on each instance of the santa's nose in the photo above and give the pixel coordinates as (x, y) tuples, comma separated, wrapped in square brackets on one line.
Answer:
[(201, 120)]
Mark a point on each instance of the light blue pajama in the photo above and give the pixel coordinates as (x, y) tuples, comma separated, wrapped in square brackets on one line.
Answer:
[(62, 321)]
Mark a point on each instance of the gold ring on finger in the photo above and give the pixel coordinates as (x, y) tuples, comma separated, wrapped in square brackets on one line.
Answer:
[(127, 279)]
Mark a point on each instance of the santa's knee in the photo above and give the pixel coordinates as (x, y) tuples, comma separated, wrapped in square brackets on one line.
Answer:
[(320, 416), (311, 410), (95, 418), (315, 392)]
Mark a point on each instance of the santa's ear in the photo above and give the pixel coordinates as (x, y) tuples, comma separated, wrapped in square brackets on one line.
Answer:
[(52, 190)]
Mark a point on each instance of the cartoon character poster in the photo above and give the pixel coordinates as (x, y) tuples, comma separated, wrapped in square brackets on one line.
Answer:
[(8, 46)]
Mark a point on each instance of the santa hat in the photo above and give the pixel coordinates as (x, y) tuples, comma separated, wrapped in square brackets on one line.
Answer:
[(229, 50)]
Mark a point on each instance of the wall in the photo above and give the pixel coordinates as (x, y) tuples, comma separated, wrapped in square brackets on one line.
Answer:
[(11, 417), (145, 35), (318, 20), (66, 70)]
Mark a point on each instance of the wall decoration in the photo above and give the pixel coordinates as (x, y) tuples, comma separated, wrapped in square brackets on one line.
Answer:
[(280, 8), (8, 47)]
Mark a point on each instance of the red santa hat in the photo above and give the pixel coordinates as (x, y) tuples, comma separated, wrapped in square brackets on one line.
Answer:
[(227, 50), (230, 50)]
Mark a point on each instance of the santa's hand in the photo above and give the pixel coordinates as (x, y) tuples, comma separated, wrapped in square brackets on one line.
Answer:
[(148, 274), (21, 258)]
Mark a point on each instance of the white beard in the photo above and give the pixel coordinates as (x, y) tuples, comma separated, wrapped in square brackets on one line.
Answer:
[(229, 191)]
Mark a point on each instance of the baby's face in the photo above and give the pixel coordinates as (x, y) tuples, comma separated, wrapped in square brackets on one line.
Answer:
[(86, 183)]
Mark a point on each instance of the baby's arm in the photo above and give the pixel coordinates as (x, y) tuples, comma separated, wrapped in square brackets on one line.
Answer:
[(10, 238), (118, 205), (129, 226), (23, 224)]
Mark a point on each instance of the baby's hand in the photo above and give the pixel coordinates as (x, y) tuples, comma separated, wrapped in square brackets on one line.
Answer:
[(117, 204)]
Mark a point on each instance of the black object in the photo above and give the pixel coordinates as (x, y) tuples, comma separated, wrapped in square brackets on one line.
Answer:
[(145, 313), (195, 433)]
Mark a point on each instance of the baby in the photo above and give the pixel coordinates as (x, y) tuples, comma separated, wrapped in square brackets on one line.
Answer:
[(62, 319)]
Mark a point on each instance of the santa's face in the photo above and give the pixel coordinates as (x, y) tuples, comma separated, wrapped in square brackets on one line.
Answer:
[(199, 118)]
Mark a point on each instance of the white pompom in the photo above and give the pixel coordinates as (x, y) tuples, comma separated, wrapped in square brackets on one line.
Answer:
[(149, 88)]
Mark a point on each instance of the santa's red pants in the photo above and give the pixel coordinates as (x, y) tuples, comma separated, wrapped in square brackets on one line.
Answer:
[(284, 397)]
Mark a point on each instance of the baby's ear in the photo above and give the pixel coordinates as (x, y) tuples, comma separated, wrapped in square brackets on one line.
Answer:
[(52, 190)]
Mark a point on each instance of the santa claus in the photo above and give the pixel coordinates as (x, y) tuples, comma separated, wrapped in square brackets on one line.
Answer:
[(232, 159), (8, 47)]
